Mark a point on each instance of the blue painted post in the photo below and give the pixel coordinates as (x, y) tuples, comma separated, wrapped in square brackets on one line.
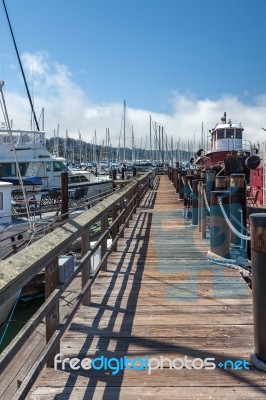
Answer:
[(238, 196), (181, 177), (219, 229), (195, 200), (210, 183)]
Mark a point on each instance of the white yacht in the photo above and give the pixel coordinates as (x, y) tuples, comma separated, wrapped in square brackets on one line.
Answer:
[(40, 170)]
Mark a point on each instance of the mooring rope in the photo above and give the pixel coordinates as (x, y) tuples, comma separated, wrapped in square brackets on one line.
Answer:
[(189, 185), (231, 226), (257, 362), (206, 200)]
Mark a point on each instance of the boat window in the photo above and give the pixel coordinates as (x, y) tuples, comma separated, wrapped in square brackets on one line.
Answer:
[(49, 166), (9, 169), (220, 133), (1, 201), (59, 166), (238, 133), (229, 133)]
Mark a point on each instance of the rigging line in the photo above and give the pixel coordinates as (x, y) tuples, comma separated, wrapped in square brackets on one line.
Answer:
[(15, 154), (10, 316), (21, 67)]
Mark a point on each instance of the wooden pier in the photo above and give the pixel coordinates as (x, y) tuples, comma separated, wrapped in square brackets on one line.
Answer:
[(160, 297)]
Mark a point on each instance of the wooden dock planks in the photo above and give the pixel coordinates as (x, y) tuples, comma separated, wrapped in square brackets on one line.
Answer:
[(160, 297)]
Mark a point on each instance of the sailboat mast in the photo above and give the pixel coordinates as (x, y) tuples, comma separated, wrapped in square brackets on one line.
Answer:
[(133, 147), (124, 154), (151, 158), (21, 67)]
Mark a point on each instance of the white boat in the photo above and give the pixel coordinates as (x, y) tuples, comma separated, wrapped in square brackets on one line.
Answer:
[(40, 170)]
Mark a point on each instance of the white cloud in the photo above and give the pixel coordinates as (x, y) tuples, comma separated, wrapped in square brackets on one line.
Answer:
[(66, 104)]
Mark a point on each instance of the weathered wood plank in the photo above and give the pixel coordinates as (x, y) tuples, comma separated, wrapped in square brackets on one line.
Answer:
[(149, 393)]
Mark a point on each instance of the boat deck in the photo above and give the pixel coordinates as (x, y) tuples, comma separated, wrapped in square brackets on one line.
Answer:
[(160, 297)]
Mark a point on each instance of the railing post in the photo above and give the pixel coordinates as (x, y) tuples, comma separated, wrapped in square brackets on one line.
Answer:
[(181, 176), (131, 207), (52, 317), (114, 229), (104, 225), (219, 229), (138, 195), (177, 187), (122, 218), (258, 255), (127, 209), (64, 195), (174, 177), (114, 171), (86, 269)]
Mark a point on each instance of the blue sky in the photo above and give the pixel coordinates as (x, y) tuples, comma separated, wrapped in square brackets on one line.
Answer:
[(183, 62)]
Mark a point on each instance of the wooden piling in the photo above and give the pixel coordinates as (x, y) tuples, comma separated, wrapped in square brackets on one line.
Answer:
[(258, 256), (195, 200), (238, 200), (219, 229)]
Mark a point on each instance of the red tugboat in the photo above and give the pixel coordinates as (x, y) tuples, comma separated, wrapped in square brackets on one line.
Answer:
[(258, 180), (230, 154)]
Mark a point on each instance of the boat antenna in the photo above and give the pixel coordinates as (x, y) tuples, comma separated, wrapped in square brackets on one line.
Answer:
[(21, 67)]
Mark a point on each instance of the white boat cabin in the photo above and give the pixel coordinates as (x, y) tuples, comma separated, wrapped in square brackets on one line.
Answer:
[(227, 137), (34, 160), (5, 202)]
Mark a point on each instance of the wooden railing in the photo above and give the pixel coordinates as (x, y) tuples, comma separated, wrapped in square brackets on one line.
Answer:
[(16, 272)]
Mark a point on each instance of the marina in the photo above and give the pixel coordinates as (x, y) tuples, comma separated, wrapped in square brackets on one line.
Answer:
[(132, 251)]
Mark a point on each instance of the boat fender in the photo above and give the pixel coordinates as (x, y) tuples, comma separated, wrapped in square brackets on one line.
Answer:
[(252, 162)]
